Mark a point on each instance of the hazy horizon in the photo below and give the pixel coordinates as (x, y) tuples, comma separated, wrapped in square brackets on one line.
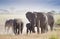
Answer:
[(29, 5)]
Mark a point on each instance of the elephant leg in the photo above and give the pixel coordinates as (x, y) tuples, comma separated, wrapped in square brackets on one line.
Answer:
[(32, 26), (51, 26), (38, 30), (42, 30), (21, 31), (30, 31), (15, 31), (8, 30), (33, 30), (18, 31), (38, 25), (21, 28), (27, 31), (46, 28)]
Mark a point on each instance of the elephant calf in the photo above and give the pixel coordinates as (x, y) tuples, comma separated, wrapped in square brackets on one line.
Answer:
[(8, 24), (18, 26), (28, 25), (29, 28)]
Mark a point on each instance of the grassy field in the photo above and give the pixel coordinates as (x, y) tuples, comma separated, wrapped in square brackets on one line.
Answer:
[(57, 17), (49, 35)]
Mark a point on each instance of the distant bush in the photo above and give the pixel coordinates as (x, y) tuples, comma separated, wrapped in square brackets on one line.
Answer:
[(58, 22), (53, 37)]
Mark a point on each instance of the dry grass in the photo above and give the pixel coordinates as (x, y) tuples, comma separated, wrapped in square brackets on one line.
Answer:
[(32, 36), (47, 35)]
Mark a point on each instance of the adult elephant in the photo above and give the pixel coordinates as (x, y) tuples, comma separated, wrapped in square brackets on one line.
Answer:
[(37, 19), (50, 20), (18, 26), (41, 21), (31, 18), (45, 20)]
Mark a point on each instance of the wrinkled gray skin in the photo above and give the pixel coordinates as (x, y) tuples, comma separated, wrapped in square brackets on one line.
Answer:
[(8, 24), (40, 20), (31, 17), (50, 20), (18, 26), (35, 18), (29, 28), (15, 24)]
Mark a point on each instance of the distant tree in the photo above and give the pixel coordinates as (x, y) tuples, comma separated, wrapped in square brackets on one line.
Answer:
[(52, 12)]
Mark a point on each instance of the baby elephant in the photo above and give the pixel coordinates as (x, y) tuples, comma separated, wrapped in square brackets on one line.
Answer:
[(29, 27)]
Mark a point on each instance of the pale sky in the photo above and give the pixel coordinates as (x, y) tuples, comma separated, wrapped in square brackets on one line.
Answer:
[(30, 5)]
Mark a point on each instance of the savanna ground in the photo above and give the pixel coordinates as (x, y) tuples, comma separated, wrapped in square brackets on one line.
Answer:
[(55, 34), (49, 35)]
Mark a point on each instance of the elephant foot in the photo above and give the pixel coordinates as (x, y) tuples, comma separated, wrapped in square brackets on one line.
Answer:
[(38, 32), (42, 31), (51, 28), (33, 31), (18, 33)]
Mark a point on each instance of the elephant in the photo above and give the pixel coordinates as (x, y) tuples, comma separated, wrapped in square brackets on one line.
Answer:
[(40, 20), (29, 28), (35, 18), (16, 24), (50, 20), (31, 18), (8, 24)]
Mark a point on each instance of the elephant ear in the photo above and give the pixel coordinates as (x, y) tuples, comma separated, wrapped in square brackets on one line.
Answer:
[(29, 16)]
